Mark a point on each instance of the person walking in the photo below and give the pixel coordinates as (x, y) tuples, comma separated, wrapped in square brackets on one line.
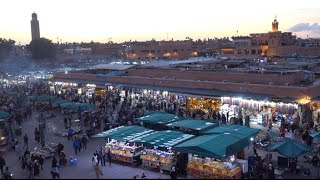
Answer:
[(109, 155), (95, 165), (76, 145), (37, 135), (25, 140), (2, 163), (41, 161), (84, 141), (70, 133), (103, 156), (59, 148), (36, 168), (54, 164)]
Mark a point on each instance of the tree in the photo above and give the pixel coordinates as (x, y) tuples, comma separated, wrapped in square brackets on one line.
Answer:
[(5, 47), (43, 48)]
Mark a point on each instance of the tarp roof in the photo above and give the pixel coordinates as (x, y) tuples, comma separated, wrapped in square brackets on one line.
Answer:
[(124, 133), (242, 132), (289, 148), (4, 115), (193, 124), (215, 145), (158, 117), (166, 138), (236, 130)]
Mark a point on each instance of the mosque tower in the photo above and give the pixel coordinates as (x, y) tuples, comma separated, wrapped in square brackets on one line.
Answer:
[(35, 30)]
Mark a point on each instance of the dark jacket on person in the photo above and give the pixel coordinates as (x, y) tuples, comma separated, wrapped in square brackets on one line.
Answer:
[(2, 161), (54, 162)]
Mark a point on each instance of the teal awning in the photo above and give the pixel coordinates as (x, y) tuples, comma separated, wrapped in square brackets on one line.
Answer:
[(193, 124), (4, 115), (242, 132), (75, 106), (166, 138), (215, 145), (123, 133), (290, 148), (158, 117), (59, 101)]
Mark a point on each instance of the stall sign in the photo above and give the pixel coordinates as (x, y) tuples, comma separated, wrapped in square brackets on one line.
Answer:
[(276, 99)]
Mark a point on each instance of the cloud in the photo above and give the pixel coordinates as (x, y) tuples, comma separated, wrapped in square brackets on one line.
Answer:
[(302, 27)]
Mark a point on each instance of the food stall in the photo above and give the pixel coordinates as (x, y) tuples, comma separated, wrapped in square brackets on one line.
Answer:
[(208, 168), (124, 152), (157, 150), (154, 157), (117, 142), (209, 148)]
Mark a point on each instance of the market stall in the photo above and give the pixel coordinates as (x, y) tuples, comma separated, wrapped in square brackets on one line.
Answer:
[(192, 126), (157, 151), (157, 119), (124, 152), (117, 143), (243, 132), (208, 168), (217, 146)]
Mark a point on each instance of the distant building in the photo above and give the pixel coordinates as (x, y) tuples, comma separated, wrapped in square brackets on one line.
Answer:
[(159, 50), (35, 29), (274, 43)]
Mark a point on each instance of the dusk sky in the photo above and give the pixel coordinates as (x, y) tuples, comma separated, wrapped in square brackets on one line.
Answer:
[(98, 20)]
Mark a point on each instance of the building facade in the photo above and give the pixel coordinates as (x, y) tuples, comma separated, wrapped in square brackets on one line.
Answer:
[(272, 44), (159, 50), (35, 29)]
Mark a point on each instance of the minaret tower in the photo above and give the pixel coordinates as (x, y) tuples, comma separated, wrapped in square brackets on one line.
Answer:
[(35, 30), (275, 25)]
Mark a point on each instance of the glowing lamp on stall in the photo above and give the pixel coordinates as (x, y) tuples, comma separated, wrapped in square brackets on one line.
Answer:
[(232, 158), (66, 72), (145, 91), (305, 100)]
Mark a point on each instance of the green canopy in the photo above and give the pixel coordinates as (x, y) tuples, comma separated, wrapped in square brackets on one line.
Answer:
[(4, 115), (290, 148), (158, 117), (215, 145), (242, 132), (75, 106), (59, 101), (124, 133), (193, 124), (166, 138)]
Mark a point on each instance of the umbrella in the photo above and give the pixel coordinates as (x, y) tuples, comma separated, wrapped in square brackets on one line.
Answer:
[(289, 148), (4, 115), (74, 106)]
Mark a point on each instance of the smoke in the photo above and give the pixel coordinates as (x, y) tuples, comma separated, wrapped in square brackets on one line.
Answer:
[(303, 27)]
